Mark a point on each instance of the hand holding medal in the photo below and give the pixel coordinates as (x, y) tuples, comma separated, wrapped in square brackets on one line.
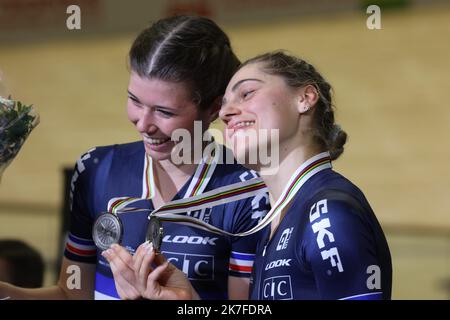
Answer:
[(108, 229)]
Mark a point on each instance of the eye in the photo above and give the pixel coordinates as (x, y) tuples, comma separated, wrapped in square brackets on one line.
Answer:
[(247, 94), (165, 113), (135, 102)]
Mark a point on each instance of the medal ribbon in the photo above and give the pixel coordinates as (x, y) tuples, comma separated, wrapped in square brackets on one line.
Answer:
[(198, 183), (171, 211)]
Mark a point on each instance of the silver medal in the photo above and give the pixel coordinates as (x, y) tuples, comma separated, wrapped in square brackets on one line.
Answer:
[(155, 233), (107, 230)]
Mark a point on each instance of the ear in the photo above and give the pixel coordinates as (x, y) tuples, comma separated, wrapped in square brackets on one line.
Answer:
[(307, 98)]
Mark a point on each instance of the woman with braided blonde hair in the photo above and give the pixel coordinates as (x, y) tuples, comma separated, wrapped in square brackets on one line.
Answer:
[(324, 241)]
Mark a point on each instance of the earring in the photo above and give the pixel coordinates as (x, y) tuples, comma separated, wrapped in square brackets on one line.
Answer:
[(307, 107)]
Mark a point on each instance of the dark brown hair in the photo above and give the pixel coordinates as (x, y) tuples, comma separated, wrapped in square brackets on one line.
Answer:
[(25, 264), (189, 49), (299, 73)]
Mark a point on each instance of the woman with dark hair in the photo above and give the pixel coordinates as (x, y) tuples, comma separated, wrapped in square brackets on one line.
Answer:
[(21, 264), (324, 241), (180, 67)]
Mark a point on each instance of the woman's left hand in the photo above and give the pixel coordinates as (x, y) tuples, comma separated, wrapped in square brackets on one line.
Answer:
[(121, 263), (165, 282)]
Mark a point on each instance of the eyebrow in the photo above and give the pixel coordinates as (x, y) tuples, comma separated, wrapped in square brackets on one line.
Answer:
[(161, 107), (133, 96), (237, 84)]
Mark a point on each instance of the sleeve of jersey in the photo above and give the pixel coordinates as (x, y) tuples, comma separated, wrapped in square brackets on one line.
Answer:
[(247, 214), (79, 244), (341, 252)]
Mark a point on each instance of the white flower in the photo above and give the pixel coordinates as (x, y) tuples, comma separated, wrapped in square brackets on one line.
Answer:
[(6, 102)]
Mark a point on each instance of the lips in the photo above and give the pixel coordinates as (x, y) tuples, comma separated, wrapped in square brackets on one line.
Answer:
[(234, 125), (243, 124), (155, 141), (238, 125)]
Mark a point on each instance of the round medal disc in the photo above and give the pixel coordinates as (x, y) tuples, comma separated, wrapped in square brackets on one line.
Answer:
[(155, 233), (107, 230)]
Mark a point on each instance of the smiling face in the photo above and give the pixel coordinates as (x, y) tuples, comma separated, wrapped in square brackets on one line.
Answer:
[(255, 100), (157, 108)]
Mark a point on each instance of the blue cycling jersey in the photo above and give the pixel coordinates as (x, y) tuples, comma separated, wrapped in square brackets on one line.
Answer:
[(208, 259), (329, 245)]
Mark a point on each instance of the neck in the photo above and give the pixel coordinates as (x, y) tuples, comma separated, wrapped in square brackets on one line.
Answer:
[(178, 174), (175, 171), (289, 161)]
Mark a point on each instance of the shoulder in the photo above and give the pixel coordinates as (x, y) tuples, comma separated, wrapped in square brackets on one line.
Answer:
[(98, 160), (228, 171), (339, 219), (100, 154), (332, 180), (336, 205), (333, 188), (341, 209)]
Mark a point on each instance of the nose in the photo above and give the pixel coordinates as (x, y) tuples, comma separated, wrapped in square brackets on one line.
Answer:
[(228, 111), (145, 123)]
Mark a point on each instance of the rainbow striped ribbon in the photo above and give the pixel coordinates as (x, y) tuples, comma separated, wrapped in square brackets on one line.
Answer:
[(198, 183), (171, 211), (194, 199)]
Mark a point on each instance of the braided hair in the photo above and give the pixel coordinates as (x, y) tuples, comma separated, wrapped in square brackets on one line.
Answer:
[(299, 73), (189, 49)]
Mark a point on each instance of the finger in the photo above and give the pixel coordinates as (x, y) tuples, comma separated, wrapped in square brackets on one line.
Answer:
[(159, 292), (160, 259), (124, 288), (121, 269), (139, 256), (145, 267), (156, 274), (138, 250), (154, 289), (142, 266), (123, 254)]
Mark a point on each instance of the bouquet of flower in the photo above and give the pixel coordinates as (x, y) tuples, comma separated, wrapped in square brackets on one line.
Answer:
[(16, 123)]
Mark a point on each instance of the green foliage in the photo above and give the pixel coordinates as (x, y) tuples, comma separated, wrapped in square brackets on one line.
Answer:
[(16, 123)]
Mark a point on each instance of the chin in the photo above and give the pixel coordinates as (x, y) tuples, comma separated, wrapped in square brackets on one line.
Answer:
[(157, 155)]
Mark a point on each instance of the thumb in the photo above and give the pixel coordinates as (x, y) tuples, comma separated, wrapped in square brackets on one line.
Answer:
[(159, 259)]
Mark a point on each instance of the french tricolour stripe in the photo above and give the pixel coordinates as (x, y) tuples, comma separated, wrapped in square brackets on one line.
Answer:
[(241, 262), (80, 246)]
